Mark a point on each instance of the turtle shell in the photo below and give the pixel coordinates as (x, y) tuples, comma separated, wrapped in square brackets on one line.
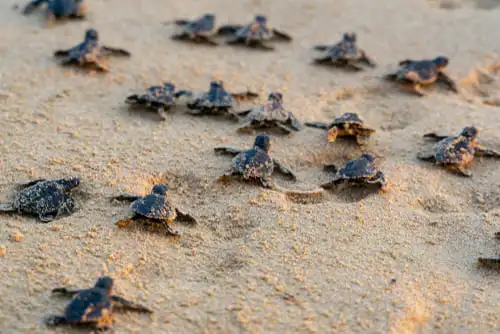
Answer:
[(254, 163), (349, 117), (64, 7), (344, 50), (159, 94), (43, 198), (213, 100), (454, 150), (423, 71), (271, 111), (88, 306), (203, 25), (154, 206), (357, 169)]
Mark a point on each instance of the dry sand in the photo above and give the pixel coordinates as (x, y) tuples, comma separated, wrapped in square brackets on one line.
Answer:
[(258, 262)]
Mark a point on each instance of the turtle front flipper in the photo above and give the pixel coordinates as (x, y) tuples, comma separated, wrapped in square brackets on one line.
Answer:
[(461, 170), (489, 262), (243, 113), (405, 62), (330, 168), (449, 82), (62, 53), (284, 128), (228, 29), (266, 183), (486, 151), (318, 125), (115, 51), (284, 170), (248, 126), (183, 92), (322, 47), (228, 150), (30, 7), (426, 155), (280, 35), (245, 95), (7, 208), (435, 136), (66, 292), (330, 185), (294, 123), (55, 320), (185, 217), (391, 76), (126, 197), (367, 60), (379, 179), (30, 183), (124, 222), (169, 229), (161, 112), (129, 306), (47, 217)]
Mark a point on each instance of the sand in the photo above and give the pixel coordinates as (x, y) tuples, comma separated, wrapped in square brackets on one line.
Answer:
[(258, 261)]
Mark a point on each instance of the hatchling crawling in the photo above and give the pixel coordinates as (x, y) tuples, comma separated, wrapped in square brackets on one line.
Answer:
[(200, 30), (158, 98), (47, 199), (493, 263), (414, 74), (358, 172), (456, 153), (154, 208), (255, 163), (271, 114), (345, 53), (73, 9), (89, 53), (216, 101), (93, 307), (346, 125), (255, 35)]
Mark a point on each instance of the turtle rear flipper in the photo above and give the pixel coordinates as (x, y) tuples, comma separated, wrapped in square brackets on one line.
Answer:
[(367, 60), (228, 29), (435, 136), (55, 320), (116, 51), (128, 305), (318, 125), (487, 152), (7, 208), (29, 8), (185, 217), (322, 47), (228, 150), (62, 53), (126, 197), (284, 170), (489, 262), (65, 292), (449, 82), (282, 36)]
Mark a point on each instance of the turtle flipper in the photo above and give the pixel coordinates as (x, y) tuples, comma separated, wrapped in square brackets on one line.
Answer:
[(185, 217), (248, 126), (279, 35), (129, 306), (228, 29), (228, 150), (244, 95), (318, 125), (116, 51), (170, 230), (445, 79), (435, 136), (30, 183), (262, 46), (379, 179), (284, 128), (29, 8), (124, 222), (487, 152), (267, 183), (330, 168), (489, 262), (367, 60), (55, 320), (126, 197), (426, 155), (329, 185), (322, 47), (295, 123), (462, 171), (405, 62), (391, 76), (351, 66), (206, 40), (361, 140), (47, 217), (243, 112), (323, 60), (65, 292), (161, 113), (284, 170), (6, 208), (183, 92)]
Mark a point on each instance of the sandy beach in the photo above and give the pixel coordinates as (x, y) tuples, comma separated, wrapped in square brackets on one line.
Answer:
[(404, 261)]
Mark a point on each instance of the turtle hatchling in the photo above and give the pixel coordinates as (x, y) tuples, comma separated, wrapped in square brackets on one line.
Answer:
[(216, 101), (154, 208), (414, 74), (158, 98), (493, 263), (47, 199), (89, 53), (73, 9), (93, 307), (357, 172), (346, 125), (200, 30), (256, 34), (345, 53), (255, 163), (270, 115), (456, 153)]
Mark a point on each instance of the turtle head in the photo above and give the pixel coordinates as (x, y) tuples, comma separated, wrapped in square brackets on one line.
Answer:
[(170, 87), (105, 283), (160, 189), (441, 62), (369, 157), (469, 132), (208, 17), (70, 182), (263, 142), (91, 35), (350, 37), (260, 19), (216, 84), (276, 97)]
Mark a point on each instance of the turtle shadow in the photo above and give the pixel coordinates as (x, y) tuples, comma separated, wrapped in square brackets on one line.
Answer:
[(144, 113), (353, 194)]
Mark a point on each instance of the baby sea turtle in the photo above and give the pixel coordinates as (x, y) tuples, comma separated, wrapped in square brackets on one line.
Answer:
[(200, 30), (159, 98), (73, 9), (345, 53), (93, 307), (271, 114), (154, 208), (456, 153), (346, 125), (89, 52), (361, 171), (256, 34), (493, 263), (216, 101), (413, 74), (46, 199), (255, 163)]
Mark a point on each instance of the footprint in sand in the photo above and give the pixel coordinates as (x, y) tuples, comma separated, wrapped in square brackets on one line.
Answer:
[(455, 4), (483, 83)]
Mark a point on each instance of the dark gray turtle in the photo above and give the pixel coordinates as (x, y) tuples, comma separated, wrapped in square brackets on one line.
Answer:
[(93, 307), (456, 153), (346, 125), (89, 53), (255, 163), (361, 171), (216, 101), (345, 53), (159, 98), (271, 114), (46, 199), (493, 263), (154, 208), (256, 34), (73, 9), (200, 30), (414, 74)]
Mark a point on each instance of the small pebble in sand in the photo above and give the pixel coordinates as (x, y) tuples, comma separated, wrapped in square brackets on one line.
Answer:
[(16, 236)]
